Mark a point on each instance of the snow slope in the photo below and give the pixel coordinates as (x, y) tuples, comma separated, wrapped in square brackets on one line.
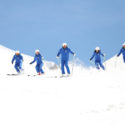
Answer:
[(89, 97)]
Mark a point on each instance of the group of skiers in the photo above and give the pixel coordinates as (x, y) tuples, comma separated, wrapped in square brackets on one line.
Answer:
[(38, 58), (64, 52)]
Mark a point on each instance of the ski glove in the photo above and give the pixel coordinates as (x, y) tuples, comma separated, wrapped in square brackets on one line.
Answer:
[(42, 58), (104, 55), (74, 54), (57, 57), (30, 63)]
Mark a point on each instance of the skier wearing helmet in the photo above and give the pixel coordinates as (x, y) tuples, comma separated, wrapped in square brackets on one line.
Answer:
[(122, 51), (64, 52), (18, 61), (38, 59), (97, 54)]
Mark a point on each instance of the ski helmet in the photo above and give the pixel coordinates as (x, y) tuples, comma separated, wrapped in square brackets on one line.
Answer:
[(64, 44), (17, 52), (123, 44), (37, 51), (97, 48)]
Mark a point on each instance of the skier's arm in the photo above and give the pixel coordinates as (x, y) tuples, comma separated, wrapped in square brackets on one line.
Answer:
[(22, 58), (42, 58), (71, 52), (13, 59), (102, 54), (119, 53), (92, 56), (33, 60), (59, 53)]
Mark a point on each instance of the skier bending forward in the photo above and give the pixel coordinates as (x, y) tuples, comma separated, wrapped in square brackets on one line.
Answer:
[(18, 58), (97, 54), (64, 52), (38, 59), (122, 51)]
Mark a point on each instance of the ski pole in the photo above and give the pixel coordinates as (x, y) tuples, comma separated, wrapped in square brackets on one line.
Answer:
[(58, 60), (44, 64), (73, 64), (105, 61), (92, 62)]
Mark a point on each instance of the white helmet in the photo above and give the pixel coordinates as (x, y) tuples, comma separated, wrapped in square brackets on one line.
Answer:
[(123, 44), (17, 52), (37, 51), (97, 48), (64, 44)]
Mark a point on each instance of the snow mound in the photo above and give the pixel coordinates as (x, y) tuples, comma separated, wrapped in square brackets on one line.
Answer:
[(115, 63)]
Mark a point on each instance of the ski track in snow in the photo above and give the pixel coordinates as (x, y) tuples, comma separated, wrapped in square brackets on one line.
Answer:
[(88, 97)]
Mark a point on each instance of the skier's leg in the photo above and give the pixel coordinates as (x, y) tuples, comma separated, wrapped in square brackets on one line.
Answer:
[(62, 66), (97, 65), (124, 59), (37, 68), (101, 65), (67, 67), (20, 66), (41, 70), (17, 68)]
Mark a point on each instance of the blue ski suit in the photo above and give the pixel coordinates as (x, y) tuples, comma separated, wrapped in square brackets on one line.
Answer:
[(122, 51), (38, 60), (18, 62), (64, 52), (98, 61)]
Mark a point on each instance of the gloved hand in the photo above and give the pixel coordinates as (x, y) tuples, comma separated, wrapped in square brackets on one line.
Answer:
[(57, 57), (42, 58), (30, 63), (74, 54)]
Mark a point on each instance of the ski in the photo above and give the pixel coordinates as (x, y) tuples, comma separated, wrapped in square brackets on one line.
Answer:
[(42, 76), (12, 74), (47, 76), (32, 75)]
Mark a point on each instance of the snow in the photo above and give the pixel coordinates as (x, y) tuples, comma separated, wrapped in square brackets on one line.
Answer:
[(89, 97)]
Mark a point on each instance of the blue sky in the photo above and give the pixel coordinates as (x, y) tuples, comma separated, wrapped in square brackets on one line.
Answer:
[(27, 25)]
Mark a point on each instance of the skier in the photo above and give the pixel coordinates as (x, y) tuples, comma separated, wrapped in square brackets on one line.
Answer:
[(18, 58), (64, 52), (97, 54), (38, 59), (122, 51)]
